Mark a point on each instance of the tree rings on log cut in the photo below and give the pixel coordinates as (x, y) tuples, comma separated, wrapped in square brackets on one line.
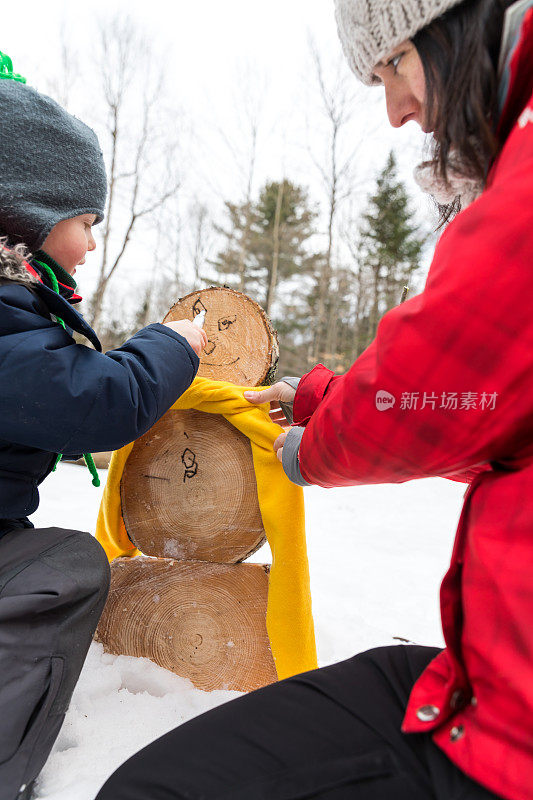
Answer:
[(242, 345), (189, 490), (205, 622)]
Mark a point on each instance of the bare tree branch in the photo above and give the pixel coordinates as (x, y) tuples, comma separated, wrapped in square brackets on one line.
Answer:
[(142, 151)]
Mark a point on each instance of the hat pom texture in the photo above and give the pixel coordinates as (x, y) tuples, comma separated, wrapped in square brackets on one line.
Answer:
[(370, 29)]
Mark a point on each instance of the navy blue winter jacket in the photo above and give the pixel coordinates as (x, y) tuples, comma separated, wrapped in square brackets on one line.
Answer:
[(57, 396)]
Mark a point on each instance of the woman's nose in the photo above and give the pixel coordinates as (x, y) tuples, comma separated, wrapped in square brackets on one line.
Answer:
[(401, 107), (92, 243)]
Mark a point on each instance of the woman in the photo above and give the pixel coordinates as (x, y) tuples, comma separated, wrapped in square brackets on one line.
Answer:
[(445, 389)]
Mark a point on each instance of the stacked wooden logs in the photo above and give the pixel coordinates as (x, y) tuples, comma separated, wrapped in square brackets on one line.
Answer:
[(189, 504)]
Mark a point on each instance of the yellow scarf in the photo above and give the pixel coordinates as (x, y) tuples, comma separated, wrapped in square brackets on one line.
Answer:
[(289, 618)]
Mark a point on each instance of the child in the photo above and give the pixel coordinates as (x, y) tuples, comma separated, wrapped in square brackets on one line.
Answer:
[(57, 397)]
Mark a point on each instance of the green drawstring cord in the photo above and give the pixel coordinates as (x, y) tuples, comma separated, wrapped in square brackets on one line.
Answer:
[(89, 460)]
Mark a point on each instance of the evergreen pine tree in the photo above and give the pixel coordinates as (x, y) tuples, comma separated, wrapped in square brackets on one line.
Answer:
[(235, 264), (267, 241), (268, 255), (391, 246)]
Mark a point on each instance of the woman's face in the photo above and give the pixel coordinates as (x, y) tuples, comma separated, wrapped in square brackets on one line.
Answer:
[(402, 75)]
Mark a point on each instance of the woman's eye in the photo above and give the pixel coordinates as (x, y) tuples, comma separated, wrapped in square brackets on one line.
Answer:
[(394, 62)]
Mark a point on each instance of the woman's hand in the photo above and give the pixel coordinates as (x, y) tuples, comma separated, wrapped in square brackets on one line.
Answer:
[(278, 445), (196, 337), (279, 392)]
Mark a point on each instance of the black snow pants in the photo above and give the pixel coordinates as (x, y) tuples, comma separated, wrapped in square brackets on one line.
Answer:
[(330, 734), (53, 586)]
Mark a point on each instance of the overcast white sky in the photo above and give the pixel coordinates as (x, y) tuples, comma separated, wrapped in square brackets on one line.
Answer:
[(213, 49)]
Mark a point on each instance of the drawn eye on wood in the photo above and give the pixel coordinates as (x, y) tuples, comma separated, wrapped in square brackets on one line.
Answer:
[(225, 322), (198, 307), (188, 459)]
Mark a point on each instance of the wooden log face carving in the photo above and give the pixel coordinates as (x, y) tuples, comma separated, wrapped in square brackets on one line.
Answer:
[(242, 346), (189, 490), (205, 622)]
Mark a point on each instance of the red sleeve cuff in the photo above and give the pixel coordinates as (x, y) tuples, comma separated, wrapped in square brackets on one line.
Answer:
[(310, 392)]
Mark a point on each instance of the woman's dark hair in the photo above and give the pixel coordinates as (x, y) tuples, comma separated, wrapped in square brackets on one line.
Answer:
[(460, 52)]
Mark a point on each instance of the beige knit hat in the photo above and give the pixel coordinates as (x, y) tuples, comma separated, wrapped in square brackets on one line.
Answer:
[(370, 29)]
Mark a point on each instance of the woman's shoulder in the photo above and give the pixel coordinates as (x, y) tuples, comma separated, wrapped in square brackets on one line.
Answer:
[(516, 156)]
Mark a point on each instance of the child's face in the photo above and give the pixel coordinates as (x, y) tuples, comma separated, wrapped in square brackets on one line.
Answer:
[(69, 240)]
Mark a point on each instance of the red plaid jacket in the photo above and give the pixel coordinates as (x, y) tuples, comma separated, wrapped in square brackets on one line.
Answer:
[(446, 389)]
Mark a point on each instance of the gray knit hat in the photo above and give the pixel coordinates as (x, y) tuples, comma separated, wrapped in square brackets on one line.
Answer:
[(370, 29), (51, 165)]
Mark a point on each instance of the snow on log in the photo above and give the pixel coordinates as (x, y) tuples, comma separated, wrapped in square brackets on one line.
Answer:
[(205, 622), (189, 491), (242, 347)]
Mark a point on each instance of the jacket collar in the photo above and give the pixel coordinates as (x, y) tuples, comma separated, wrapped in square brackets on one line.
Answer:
[(60, 307), (516, 66), (57, 304), (14, 268), (66, 283)]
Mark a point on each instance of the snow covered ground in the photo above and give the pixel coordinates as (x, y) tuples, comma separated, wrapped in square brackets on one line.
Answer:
[(377, 555)]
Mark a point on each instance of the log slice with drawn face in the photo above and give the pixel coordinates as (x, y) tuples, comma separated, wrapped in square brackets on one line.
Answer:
[(189, 491), (205, 622), (242, 345)]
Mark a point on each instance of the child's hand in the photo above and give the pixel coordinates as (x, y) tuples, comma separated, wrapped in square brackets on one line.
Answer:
[(274, 394), (196, 337)]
